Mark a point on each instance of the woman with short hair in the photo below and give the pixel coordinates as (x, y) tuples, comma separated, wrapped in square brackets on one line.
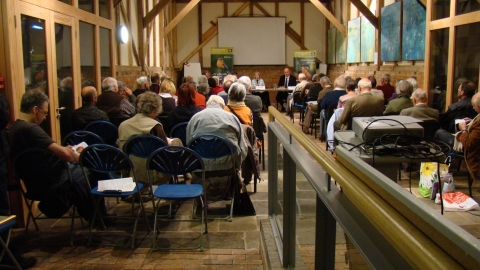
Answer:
[(236, 104), (186, 106)]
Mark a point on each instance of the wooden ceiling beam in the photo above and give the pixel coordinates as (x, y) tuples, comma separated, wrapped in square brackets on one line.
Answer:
[(366, 12), (199, 47), (330, 17), (154, 12), (127, 24), (180, 16)]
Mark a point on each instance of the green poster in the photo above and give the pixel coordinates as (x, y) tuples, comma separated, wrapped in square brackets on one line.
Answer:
[(221, 61), (304, 62)]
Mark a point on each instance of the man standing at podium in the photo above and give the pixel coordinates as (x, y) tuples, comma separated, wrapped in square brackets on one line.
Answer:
[(285, 81)]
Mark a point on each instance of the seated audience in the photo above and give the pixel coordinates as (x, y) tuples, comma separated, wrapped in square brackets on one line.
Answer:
[(25, 133), (315, 88), (403, 101), (298, 88), (236, 104), (374, 90), (215, 120), (203, 89), (186, 107), (420, 110), (255, 104), (167, 92), (149, 105), (365, 104), (350, 86), (386, 87), (215, 88), (116, 107), (312, 107), (143, 86), (227, 81), (469, 136), (155, 86), (88, 112), (126, 93)]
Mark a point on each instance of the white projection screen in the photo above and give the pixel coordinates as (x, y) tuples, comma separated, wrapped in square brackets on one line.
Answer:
[(256, 40)]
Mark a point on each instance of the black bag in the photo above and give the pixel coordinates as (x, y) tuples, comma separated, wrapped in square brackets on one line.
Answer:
[(242, 204)]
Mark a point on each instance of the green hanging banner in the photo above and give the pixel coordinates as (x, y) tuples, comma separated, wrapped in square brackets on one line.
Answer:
[(304, 62), (221, 61)]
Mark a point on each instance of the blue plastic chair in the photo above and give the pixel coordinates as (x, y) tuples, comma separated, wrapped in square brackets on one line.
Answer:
[(211, 146), (39, 169), (6, 223), (175, 160), (142, 146), (180, 131), (107, 159), (297, 102), (106, 130), (76, 137)]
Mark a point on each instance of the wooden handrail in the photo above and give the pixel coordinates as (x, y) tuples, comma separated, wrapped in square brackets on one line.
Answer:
[(413, 245)]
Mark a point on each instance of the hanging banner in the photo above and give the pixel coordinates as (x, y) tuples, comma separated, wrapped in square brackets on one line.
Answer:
[(221, 61), (304, 62)]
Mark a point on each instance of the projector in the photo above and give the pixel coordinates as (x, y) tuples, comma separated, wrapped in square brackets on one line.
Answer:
[(374, 127)]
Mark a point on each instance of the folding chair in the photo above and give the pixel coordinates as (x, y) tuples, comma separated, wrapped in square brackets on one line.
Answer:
[(39, 170), (107, 159), (297, 102), (142, 146), (175, 160), (76, 137), (6, 223), (211, 146), (180, 131), (106, 130)]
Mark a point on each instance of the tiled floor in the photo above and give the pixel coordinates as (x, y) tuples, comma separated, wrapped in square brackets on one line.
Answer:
[(232, 245)]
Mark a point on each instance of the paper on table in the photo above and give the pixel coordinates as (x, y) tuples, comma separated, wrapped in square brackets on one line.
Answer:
[(258, 87), (291, 88), (313, 102), (123, 184)]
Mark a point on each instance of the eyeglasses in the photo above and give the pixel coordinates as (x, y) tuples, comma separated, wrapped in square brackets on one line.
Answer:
[(44, 113)]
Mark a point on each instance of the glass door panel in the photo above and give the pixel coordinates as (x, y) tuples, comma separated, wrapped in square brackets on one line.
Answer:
[(106, 70), (64, 70), (35, 59)]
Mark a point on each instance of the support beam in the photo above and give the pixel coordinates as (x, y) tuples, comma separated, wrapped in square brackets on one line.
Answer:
[(199, 47), (154, 12), (423, 2), (330, 17), (127, 24), (366, 12), (180, 16)]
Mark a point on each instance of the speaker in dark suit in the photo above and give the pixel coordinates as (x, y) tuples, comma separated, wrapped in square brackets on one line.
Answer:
[(285, 81)]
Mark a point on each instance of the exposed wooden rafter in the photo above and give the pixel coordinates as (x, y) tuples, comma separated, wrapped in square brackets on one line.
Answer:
[(154, 12), (330, 17), (180, 16), (366, 12), (127, 24)]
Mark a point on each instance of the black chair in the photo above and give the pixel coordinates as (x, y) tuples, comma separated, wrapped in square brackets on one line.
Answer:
[(6, 224), (175, 160), (429, 128), (323, 126), (297, 102), (106, 159), (39, 171), (259, 127), (106, 130), (211, 146), (142, 146), (180, 131), (76, 137)]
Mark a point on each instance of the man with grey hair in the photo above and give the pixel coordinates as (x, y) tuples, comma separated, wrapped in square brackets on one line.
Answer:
[(312, 107), (115, 105), (254, 102), (227, 82), (403, 101), (420, 110), (365, 104), (386, 87), (143, 86), (88, 112), (298, 88)]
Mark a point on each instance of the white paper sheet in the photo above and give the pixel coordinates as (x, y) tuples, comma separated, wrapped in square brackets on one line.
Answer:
[(123, 184)]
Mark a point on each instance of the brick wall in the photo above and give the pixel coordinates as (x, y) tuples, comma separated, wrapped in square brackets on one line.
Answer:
[(129, 75)]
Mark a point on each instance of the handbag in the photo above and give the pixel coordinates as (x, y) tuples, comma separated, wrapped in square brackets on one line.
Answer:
[(429, 175), (242, 204)]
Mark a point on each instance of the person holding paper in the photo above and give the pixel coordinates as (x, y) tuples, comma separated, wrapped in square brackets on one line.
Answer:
[(25, 133), (285, 81)]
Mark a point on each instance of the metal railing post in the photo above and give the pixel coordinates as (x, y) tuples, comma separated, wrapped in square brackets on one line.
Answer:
[(289, 210), (325, 233), (272, 172)]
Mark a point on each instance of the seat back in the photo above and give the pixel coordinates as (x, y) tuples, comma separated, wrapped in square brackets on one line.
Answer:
[(106, 130), (39, 169), (429, 128), (180, 131), (211, 146), (297, 100), (104, 158), (143, 145), (175, 160), (76, 137)]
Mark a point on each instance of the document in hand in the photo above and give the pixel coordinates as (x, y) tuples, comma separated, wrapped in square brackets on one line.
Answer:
[(79, 147), (123, 184)]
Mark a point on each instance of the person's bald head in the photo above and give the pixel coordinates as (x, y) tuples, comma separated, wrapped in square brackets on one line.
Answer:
[(419, 96), (89, 95), (364, 85)]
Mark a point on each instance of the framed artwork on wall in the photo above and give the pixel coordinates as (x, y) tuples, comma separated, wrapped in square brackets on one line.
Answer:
[(367, 40), (413, 30), (390, 36), (331, 45), (353, 41), (339, 47)]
